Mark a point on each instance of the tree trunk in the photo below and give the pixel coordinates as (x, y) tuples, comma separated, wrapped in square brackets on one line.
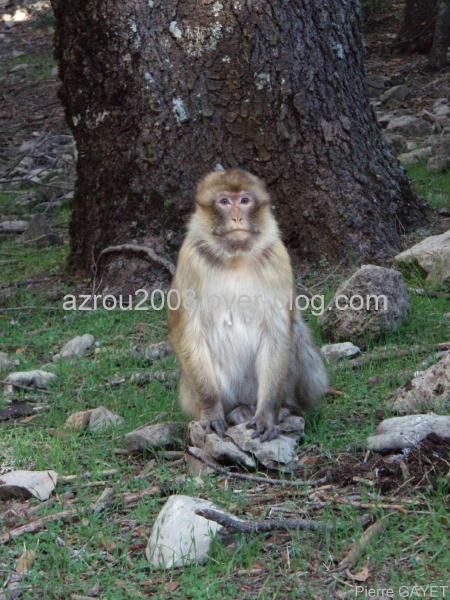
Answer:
[(417, 31), (158, 93), (441, 41)]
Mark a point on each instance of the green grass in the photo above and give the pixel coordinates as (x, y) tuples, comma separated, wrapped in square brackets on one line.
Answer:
[(108, 550), (434, 187), (40, 64)]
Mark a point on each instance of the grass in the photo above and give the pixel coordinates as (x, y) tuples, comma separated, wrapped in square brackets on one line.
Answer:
[(108, 550), (434, 187)]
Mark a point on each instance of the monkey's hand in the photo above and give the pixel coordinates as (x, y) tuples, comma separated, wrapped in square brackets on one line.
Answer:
[(265, 428)]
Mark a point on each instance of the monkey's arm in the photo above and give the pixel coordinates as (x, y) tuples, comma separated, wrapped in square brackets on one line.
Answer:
[(199, 393)]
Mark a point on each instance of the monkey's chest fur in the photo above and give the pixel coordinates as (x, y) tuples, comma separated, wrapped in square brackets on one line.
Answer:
[(239, 320)]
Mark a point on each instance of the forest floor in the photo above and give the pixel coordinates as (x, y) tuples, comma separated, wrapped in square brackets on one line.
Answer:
[(102, 555)]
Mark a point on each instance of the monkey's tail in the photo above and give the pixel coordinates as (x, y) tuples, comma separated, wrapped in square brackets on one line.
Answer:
[(308, 378)]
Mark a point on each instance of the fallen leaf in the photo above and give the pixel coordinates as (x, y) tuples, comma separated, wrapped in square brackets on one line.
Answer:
[(26, 561), (362, 575), (171, 586)]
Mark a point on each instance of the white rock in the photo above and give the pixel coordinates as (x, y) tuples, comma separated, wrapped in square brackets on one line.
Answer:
[(429, 390), (180, 537), (432, 255), (23, 484), (159, 435), (224, 450), (410, 125), (32, 379), (415, 156), (16, 226), (6, 362), (335, 352), (101, 418), (76, 347), (398, 433)]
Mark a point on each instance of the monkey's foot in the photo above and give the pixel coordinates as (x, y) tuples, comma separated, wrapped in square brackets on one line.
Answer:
[(265, 429), (215, 426)]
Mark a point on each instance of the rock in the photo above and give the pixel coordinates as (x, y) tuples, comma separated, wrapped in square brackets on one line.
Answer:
[(415, 156), (410, 126), (102, 418), (397, 142), (272, 454), (13, 226), (154, 351), (23, 484), (32, 379), (179, 536), (399, 433), (78, 421), (334, 352), (382, 297), (395, 95), (431, 255), (160, 435), (442, 110), (39, 233), (76, 347), (223, 450), (438, 164), (197, 434), (195, 466), (7, 363), (428, 391), (376, 84)]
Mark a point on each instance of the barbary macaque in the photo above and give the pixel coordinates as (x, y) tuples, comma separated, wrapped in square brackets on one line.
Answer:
[(245, 352)]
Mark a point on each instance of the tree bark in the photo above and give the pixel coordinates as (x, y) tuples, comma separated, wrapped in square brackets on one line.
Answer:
[(417, 31), (441, 41), (158, 93)]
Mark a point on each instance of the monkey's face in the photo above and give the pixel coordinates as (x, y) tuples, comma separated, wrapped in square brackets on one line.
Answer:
[(235, 218), (233, 207)]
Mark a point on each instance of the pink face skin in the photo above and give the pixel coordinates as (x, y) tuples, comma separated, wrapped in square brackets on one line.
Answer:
[(236, 209)]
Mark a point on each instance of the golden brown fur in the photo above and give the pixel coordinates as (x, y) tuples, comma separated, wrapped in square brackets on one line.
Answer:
[(243, 351)]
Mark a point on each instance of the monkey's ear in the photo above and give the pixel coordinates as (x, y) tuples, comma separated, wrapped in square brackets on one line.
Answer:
[(208, 187)]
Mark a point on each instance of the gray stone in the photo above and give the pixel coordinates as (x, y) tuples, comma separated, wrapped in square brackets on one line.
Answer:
[(398, 93), (399, 433), (23, 484), (223, 450), (272, 454), (428, 391), (385, 305), (197, 434), (410, 126), (334, 352), (39, 233), (76, 347), (195, 464), (32, 379), (179, 536), (101, 419), (160, 435), (439, 163), (415, 156), (6, 362), (16, 226), (397, 142), (431, 255)]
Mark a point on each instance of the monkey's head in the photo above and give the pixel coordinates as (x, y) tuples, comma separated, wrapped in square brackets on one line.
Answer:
[(233, 212)]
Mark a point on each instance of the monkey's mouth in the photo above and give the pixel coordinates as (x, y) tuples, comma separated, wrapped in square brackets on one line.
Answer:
[(248, 231)]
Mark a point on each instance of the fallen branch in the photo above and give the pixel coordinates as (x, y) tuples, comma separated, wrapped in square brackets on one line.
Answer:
[(361, 545), (388, 354), (144, 251), (255, 478), (26, 388), (67, 516), (251, 526)]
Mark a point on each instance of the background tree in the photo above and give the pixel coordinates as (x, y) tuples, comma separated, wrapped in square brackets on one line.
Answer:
[(418, 26), (441, 40), (157, 93)]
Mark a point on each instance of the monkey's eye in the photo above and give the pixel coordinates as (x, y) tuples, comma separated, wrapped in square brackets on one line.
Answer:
[(224, 200), (245, 200)]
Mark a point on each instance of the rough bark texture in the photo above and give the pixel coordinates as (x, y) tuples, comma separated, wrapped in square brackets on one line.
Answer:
[(158, 93), (441, 41), (417, 31)]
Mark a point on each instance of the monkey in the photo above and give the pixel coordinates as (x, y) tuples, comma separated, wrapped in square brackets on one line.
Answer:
[(245, 353)]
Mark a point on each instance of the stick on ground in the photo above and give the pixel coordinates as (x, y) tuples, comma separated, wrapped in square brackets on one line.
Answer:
[(361, 545), (252, 526)]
